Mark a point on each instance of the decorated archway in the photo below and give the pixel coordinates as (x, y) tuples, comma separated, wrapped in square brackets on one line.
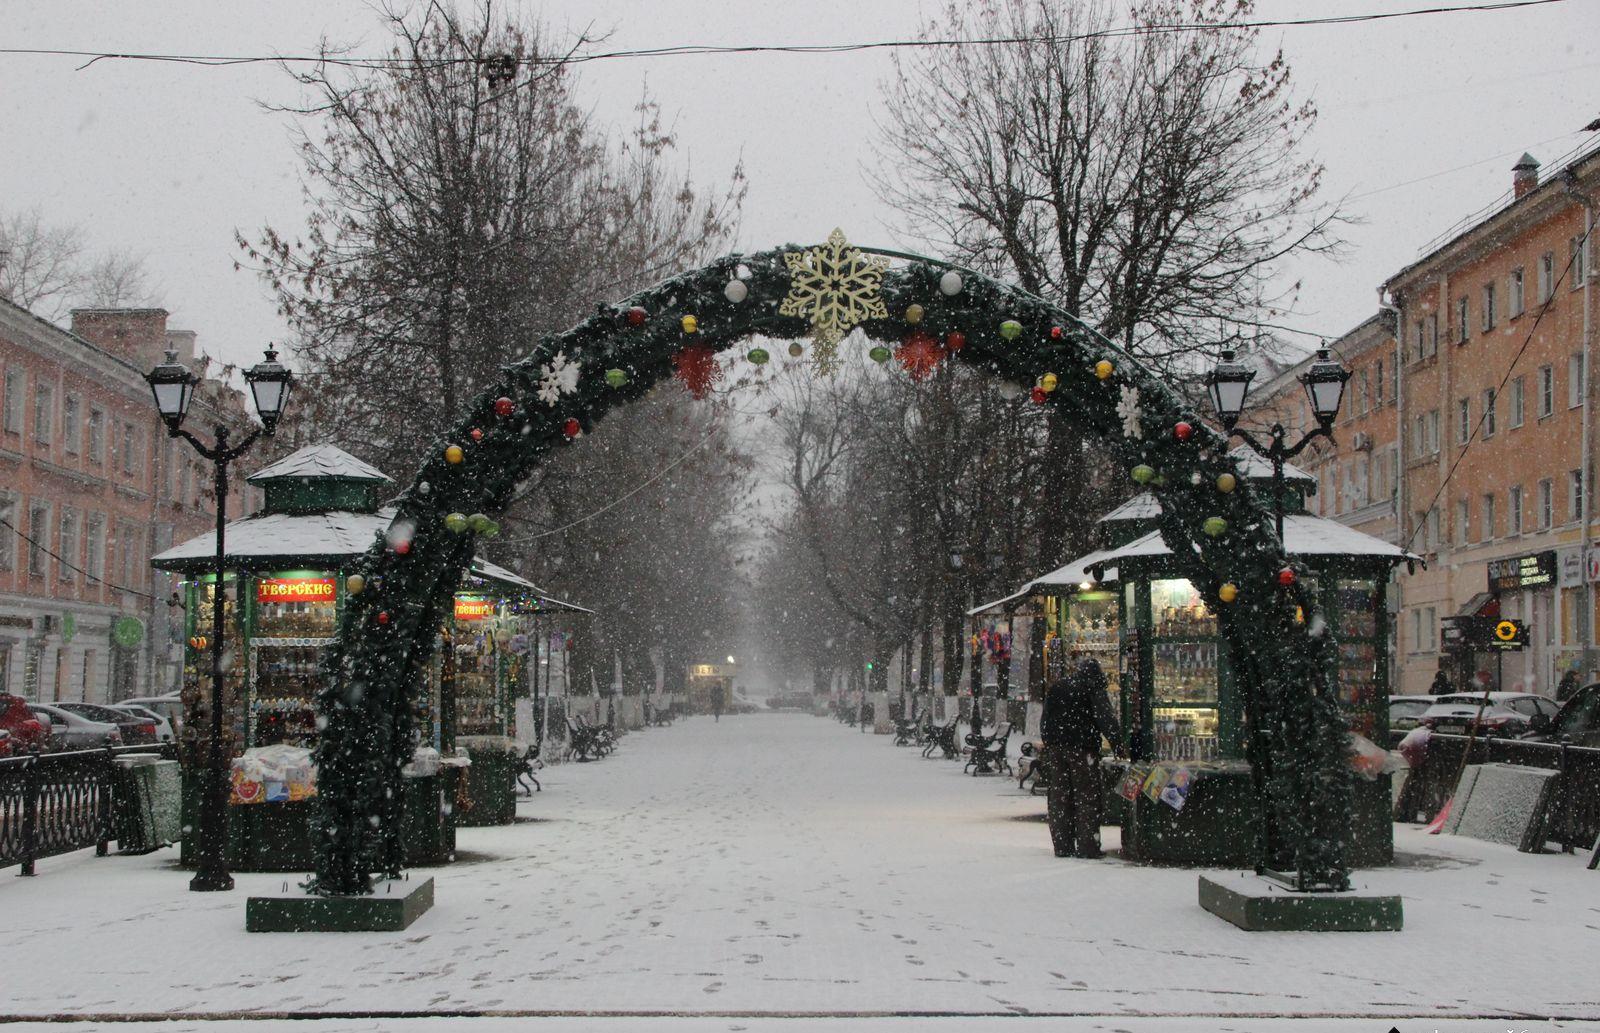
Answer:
[(922, 312)]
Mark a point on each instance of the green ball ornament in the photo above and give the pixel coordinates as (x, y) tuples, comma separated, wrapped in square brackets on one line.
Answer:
[(1214, 526), (455, 523), (616, 377), (1143, 474), (492, 529), (1226, 482), (758, 356), (478, 522), (1010, 329), (878, 354)]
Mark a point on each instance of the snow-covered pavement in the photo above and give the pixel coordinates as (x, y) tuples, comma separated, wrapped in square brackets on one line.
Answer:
[(782, 872)]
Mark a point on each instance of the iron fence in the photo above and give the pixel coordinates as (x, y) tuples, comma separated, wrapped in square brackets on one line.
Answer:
[(1573, 815), (55, 803)]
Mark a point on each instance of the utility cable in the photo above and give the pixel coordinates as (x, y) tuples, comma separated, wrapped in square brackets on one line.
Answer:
[(69, 564)]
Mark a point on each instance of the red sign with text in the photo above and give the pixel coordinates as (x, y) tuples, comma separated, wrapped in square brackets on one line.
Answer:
[(294, 590), (470, 609)]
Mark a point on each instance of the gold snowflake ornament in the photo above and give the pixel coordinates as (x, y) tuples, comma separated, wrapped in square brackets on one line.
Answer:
[(837, 287)]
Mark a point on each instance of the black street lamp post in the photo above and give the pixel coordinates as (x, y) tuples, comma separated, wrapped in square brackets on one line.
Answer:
[(1228, 385), (173, 385)]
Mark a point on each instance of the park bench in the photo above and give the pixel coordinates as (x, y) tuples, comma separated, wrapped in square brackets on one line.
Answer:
[(942, 738), (1030, 768), (987, 753), (905, 731)]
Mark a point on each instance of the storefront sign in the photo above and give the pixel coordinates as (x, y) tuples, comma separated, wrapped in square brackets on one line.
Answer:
[(1570, 562), (1508, 635), (294, 590), (1522, 572), (473, 608)]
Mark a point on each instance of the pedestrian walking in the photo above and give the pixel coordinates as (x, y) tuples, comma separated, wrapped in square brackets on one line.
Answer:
[(716, 704), (1077, 713), (1441, 683), (1567, 687)]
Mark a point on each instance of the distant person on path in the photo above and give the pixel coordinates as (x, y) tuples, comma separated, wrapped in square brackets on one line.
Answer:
[(1441, 683), (716, 704), (1567, 687), (1077, 712)]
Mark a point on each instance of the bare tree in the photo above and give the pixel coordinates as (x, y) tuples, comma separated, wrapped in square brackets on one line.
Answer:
[(40, 263), (118, 279)]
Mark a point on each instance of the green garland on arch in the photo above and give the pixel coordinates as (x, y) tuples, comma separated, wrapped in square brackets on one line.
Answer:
[(570, 381)]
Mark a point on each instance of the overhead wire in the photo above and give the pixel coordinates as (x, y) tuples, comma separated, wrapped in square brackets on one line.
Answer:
[(69, 564)]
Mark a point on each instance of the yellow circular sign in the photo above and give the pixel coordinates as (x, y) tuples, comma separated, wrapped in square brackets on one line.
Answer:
[(1506, 631)]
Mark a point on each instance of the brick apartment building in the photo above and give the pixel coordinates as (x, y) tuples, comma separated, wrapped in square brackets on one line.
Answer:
[(1467, 434), (91, 488)]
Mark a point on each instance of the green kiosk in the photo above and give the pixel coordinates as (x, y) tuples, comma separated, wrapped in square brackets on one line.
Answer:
[(287, 570), (1184, 790)]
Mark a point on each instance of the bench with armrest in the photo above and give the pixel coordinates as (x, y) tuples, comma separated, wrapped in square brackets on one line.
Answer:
[(986, 754)]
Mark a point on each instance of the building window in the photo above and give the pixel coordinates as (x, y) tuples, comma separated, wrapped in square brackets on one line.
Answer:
[(1575, 380), (1576, 249), (1514, 304), (130, 449), (71, 426), (1547, 276), (44, 413), (16, 384), (67, 554), (1417, 432), (1518, 402), (1463, 421), (1488, 307), (1488, 413), (1433, 431), (1433, 334), (1430, 523), (1547, 390), (1486, 530), (1575, 495), (8, 534), (94, 560), (1423, 620), (1547, 505), (1377, 385), (1394, 379), (1461, 320), (1463, 514), (38, 535), (97, 436), (1363, 388), (1514, 510)]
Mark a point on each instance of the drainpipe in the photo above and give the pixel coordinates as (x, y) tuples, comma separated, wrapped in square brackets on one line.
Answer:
[(1585, 609), (1399, 503)]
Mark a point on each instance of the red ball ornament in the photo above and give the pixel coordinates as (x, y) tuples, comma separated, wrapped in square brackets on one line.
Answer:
[(636, 316), (1055, 333), (476, 434), (955, 340), (571, 428), (1286, 577), (1182, 430), (1038, 395), (383, 616), (402, 547), (504, 406)]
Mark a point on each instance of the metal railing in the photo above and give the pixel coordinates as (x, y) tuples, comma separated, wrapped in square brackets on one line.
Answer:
[(55, 803), (1572, 817)]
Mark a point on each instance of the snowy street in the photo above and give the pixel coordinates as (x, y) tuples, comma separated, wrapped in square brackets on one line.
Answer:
[(741, 872)]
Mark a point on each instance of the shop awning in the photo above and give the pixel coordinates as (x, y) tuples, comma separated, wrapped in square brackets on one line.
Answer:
[(1068, 578), (1304, 535)]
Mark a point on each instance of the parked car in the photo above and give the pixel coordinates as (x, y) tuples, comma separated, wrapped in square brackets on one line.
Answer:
[(169, 707), (69, 731), (163, 726), (1577, 722), (22, 726), (6, 749), (136, 730), (1405, 712), (1507, 713)]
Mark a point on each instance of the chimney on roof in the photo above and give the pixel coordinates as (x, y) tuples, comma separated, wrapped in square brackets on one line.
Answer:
[(138, 335), (1524, 175)]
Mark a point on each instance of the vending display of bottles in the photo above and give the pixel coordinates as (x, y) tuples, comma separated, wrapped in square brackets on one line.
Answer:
[(1176, 611), (479, 709), (1185, 672), (1185, 733), (285, 679), (296, 619)]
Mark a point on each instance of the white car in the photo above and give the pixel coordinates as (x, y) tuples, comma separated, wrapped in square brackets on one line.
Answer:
[(1506, 713), (69, 731), (163, 726), (169, 707)]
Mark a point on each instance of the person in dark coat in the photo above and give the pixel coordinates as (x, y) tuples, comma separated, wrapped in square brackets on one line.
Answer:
[(1441, 684), (1567, 687), (1077, 713)]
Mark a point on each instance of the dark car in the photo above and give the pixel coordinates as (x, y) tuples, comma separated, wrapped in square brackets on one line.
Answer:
[(1577, 722), (25, 731), (136, 730)]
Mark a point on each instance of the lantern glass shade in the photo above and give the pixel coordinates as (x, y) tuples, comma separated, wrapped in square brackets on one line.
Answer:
[(1324, 383), (269, 384), (1228, 384), (172, 384)]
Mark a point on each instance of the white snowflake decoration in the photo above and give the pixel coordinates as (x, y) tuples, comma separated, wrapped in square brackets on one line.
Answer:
[(558, 377), (1128, 409)]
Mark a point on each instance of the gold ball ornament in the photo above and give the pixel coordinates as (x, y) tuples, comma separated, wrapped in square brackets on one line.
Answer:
[(453, 455), (1103, 369), (796, 349), (1049, 382), (1228, 592), (690, 324), (1226, 482), (914, 314), (355, 584)]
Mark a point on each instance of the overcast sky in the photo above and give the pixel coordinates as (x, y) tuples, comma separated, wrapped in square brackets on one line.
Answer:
[(1421, 120)]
